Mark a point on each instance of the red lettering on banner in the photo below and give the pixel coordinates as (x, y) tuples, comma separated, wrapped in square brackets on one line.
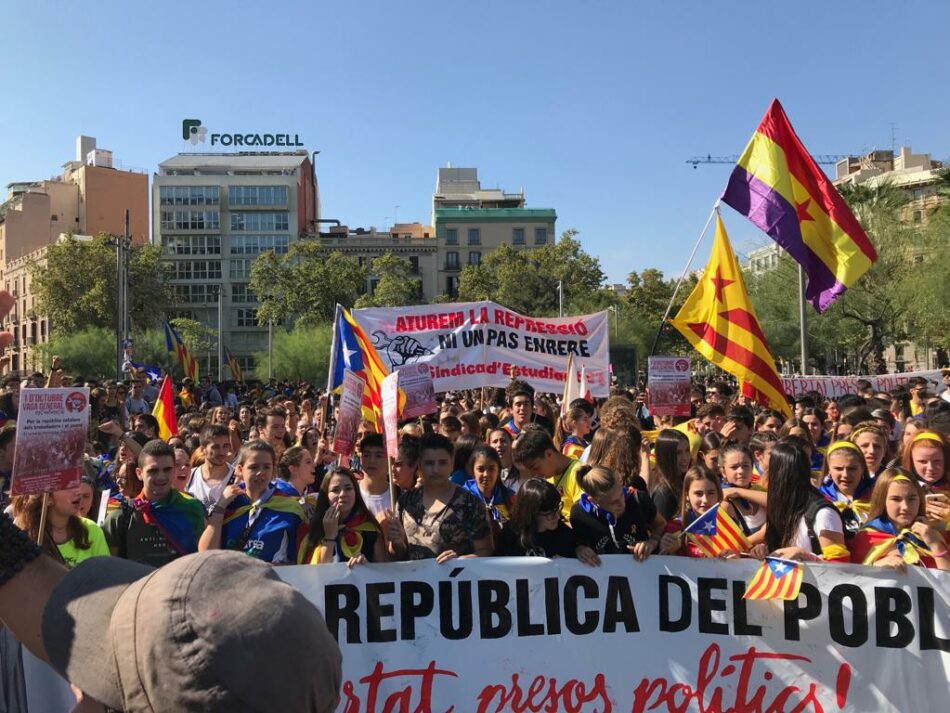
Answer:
[(659, 694), (571, 697), (429, 322), (409, 700)]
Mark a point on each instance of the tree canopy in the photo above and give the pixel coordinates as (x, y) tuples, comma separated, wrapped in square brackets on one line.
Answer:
[(396, 284)]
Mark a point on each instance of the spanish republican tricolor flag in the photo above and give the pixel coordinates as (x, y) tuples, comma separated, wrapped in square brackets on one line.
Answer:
[(779, 187), (719, 321), (164, 410), (776, 579)]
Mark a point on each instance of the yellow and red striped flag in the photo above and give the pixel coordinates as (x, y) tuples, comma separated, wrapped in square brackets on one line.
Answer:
[(353, 349), (776, 579), (718, 319), (714, 532), (164, 411)]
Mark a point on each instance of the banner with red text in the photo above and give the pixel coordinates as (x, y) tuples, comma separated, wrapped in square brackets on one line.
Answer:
[(833, 386), (51, 431), (669, 634), (473, 344)]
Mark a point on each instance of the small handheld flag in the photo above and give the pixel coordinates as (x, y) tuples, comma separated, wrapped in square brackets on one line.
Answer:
[(164, 411), (776, 579), (175, 345), (715, 532)]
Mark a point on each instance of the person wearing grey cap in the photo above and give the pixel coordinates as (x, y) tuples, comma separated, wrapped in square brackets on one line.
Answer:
[(170, 640)]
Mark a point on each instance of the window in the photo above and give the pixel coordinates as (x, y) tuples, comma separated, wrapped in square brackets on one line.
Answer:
[(474, 236), (452, 260), (257, 244), (540, 236), (917, 193), (198, 270), (191, 244), (245, 317), (517, 236), (918, 216), (198, 293), (257, 195), (259, 221), (241, 294), (241, 268), (452, 285), (474, 258), (188, 195), (413, 264), (451, 236), (190, 220)]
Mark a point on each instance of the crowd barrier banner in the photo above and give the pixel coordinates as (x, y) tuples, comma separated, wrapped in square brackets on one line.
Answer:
[(669, 634), (833, 386), (473, 344)]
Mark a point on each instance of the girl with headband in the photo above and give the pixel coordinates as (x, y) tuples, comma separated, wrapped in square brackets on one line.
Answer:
[(926, 457), (872, 442), (896, 534), (847, 484)]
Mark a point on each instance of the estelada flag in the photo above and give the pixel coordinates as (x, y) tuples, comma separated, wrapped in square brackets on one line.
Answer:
[(718, 319), (778, 186), (354, 350), (714, 532), (776, 579), (164, 411)]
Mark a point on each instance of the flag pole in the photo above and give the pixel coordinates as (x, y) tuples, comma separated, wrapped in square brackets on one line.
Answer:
[(802, 320), (669, 307), (334, 347)]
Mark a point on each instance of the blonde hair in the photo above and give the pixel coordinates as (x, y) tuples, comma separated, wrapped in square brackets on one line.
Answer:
[(882, 484), (595, 479)]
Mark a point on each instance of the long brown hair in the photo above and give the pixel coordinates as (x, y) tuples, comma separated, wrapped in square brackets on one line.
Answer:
[(323, 504), (692, 475), (27, 510), (617, 448)]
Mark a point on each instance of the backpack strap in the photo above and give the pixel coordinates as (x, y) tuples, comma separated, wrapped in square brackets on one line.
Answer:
[(811, 514)]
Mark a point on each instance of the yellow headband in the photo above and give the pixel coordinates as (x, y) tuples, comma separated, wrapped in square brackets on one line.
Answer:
[(901, 478), (876, 430), (841, 446), (928, 436)]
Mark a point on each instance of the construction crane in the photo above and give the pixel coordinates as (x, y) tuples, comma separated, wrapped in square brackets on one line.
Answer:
[(819, 158)]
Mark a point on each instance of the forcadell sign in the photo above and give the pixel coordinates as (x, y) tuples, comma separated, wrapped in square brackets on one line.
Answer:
[(193, 131)]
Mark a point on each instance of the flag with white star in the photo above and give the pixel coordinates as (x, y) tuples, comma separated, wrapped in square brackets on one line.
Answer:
[(776, 579)]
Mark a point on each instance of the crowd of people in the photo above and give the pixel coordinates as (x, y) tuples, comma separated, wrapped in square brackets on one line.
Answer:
[(861, 478)]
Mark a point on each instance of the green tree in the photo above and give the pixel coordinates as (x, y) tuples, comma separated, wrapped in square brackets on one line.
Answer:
[(76, 285), (300, 355), (648, 295), (303, 287), (527, 280), (91, 352), (396, 286)]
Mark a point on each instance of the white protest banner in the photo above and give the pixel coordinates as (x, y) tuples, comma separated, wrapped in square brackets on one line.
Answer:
[(51, 431), (833, 386), (389, 394), (668, 634), (474, 344), (415, 381), (669, 385), (350, 415)]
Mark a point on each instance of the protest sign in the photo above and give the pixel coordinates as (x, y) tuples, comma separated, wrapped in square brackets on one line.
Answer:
[(669, 634), (415, 381), (474, 344), (834, 386), (389, 394), (350, 415), (51, 431), (669, 385)]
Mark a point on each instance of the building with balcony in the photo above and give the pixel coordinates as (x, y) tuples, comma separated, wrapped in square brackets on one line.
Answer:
[(213, 215), (90, 196)]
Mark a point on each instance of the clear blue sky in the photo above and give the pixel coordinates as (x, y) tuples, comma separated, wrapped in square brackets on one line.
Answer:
[(593, 107)]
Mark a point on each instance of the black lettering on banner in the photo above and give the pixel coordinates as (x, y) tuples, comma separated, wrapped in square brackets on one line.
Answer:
[(859, 615), (500, 338), (448, 341), (523, 598), (707, 605), (618, 607), (740, 608), (376, 611), (494, 619), (796, 613), (473, 338), (891, 606), (342, 601), (552, 604), (417, 600), (447, 619), (926, 611), (685, 610), (575, 625)]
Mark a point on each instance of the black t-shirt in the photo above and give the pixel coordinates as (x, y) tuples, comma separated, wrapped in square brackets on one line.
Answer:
[(591, 528), (558, 542), (665, 502), (135, 540)]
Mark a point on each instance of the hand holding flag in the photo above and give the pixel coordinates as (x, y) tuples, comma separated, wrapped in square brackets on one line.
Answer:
[(714, 532)]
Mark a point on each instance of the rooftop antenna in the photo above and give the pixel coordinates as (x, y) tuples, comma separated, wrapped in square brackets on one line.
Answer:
[(894, 138)]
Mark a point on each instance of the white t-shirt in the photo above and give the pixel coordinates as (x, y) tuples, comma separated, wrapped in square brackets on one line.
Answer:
[(827, 520), (201, 490), (377, 504)]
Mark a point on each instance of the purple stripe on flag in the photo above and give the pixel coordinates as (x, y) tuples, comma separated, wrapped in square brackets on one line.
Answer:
[(774, 215)]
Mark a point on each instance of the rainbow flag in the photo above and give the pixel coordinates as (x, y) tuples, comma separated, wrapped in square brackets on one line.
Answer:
[(776, 579), (714, 532), (778, 186), (354, 350), (164, 411), (718, 319), (175, 345)]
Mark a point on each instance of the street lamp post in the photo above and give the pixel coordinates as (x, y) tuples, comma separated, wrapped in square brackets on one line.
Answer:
[(560, 298), (616, 310), (122, 245)]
